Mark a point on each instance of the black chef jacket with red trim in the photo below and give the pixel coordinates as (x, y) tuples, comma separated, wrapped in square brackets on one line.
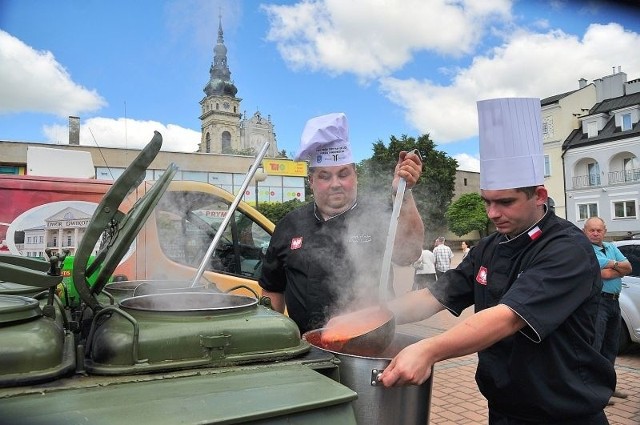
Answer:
[(323, 267), (550, 277)]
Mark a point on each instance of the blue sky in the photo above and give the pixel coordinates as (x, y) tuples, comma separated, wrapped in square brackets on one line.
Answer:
[(394, 67)]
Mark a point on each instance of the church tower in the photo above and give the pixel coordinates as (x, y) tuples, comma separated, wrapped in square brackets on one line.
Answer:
[(220, 119), (224, 129)]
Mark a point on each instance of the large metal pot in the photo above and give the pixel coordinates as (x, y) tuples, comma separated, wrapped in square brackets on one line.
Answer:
[(184, 330), (376, 404)]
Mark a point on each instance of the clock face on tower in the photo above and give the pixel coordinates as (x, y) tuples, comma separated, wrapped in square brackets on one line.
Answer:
[(226, 105)]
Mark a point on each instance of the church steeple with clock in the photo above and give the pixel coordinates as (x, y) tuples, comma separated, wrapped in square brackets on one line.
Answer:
[(223, 128), (220, 107)]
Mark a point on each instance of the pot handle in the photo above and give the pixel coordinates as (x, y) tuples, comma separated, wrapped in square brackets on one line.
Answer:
[(375, 377)]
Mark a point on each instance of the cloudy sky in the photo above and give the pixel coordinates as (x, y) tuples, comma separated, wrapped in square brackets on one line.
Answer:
[(393, 66)]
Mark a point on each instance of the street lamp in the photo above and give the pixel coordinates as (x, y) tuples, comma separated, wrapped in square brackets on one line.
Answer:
[(259, 176)]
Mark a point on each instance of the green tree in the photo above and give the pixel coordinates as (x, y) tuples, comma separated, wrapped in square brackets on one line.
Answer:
[(435, 188), (274, 211), (467, 214)]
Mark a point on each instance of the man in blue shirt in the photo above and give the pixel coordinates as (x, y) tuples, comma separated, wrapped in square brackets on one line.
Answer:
[(613, 265)]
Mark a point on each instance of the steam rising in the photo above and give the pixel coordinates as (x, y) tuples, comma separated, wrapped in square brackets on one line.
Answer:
[(364, 241)]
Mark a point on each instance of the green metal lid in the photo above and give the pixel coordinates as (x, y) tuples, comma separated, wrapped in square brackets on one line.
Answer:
[(14, 308), (11, 288), (121, 228)]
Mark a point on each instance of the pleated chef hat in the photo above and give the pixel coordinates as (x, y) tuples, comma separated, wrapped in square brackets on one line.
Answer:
[(510, 143), (325, 141)]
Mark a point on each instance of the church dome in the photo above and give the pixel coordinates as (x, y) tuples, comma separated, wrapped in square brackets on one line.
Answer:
[(220, 87)]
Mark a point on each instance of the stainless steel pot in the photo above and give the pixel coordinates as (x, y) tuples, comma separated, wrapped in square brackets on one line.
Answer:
[(376, 404), (185, 302)]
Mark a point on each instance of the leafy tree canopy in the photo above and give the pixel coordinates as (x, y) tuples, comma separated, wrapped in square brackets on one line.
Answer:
[(435, 188), (274, 211), (467, 214)]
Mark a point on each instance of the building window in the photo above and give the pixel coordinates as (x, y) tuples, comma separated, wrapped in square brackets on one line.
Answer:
[(226, 142), (626, 122), (624, 209), (592, 129), (8, 169), (547, 166), (631, 169), (465, 181), (586, 211), (593, 170)]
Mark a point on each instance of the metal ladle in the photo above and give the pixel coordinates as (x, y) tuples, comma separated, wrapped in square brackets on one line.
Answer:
[(229, 215), (379, 338)]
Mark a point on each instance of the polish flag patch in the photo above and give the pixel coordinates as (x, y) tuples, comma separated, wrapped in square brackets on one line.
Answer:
[(535, 233), (481, 277), (296, 243)]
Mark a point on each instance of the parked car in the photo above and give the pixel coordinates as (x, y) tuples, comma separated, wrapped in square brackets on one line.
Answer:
[(630, 295)]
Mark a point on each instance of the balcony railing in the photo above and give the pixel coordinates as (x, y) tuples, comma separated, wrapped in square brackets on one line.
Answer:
[(590, 180), (624, 176)]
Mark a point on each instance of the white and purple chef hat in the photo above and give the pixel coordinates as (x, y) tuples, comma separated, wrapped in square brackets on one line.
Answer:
[(325, 141), (511, 155)]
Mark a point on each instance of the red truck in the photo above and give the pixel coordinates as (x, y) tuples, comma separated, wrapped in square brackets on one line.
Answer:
[(40, 215)]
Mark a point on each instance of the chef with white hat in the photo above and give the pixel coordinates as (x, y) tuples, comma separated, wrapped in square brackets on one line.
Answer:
[(326, 255), (535, 284)]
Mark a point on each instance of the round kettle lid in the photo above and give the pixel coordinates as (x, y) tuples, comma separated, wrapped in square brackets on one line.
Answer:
[(15, 308)]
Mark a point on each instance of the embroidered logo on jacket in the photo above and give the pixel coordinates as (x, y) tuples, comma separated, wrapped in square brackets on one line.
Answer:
[(360, 238), (481, 277), (296, 243)]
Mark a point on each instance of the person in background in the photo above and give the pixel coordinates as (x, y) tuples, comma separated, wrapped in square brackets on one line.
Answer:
[(613, 266), (536, 287), (443, 256), (326, 256), (466, 247), (425, 269)]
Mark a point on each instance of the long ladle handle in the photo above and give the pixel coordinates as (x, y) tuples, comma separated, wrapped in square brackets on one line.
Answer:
[(230, 212), (391, 236)]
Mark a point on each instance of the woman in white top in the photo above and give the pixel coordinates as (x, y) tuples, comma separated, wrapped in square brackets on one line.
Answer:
[(425, 270), (466, 247)]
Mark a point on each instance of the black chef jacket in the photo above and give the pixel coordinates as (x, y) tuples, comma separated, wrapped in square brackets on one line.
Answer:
[(324, 267), (550, 277)]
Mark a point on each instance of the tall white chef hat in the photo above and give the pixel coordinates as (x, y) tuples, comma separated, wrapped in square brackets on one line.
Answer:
[(325, 141), (510, 143)]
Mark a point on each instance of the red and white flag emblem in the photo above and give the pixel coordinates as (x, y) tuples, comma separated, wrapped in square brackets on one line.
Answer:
[(481, 277), (535, 233), (296, 243)]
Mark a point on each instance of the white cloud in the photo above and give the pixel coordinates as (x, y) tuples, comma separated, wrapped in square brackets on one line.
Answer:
[(467, 162), (527, 64), (127, 133), (33, 81), (372, 38)]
